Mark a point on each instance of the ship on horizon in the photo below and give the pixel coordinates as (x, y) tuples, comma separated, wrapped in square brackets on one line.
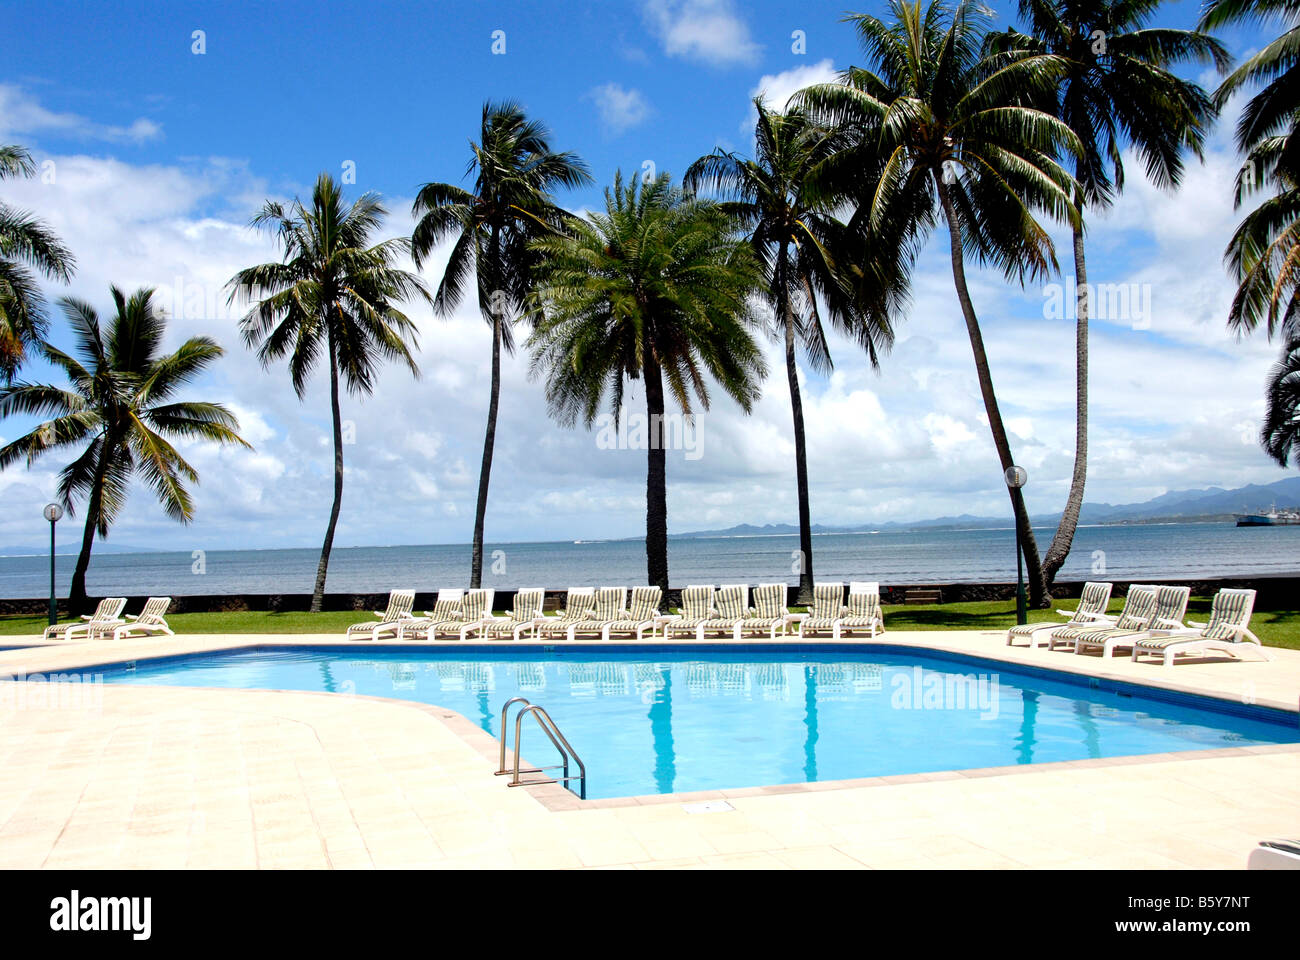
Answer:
[(1274, 518)]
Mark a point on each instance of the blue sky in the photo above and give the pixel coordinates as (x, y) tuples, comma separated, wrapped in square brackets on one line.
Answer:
[(162, 155)]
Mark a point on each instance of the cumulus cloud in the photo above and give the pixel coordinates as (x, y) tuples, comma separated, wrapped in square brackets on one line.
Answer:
[(22, 114), (619, 109), (707, 30)]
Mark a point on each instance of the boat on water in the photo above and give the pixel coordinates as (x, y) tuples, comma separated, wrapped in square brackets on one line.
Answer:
[(1274, 518)]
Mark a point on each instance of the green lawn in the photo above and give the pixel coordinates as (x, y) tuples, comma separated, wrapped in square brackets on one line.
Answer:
[(1277, 628)]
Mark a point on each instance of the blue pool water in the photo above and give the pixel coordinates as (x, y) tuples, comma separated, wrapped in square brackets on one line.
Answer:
[(670, 720)]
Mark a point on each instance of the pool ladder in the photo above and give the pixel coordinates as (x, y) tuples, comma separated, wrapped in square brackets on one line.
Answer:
[(557, 739)]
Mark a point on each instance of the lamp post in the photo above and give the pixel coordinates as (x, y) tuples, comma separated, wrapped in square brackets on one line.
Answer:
[(1016, 478), (53, 513)]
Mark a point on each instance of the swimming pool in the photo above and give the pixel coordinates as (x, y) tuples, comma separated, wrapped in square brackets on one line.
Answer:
[(674, 719)]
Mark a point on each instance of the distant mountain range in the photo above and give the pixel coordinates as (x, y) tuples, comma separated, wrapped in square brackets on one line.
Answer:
[(1186, 506)]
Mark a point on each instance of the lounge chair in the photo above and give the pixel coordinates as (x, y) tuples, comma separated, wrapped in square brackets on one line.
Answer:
[(527, 608), (828, 601), (446, 608), (1093, 601), (1171, 607), (695, 610), (609, 607), (731, 604), (578, 603), (1275, 855), (641, 615), (475, 615), (862, 612), (768, 614), (1228, 630), (1135, 616), (108, 612), (148, 622), (399, 610)]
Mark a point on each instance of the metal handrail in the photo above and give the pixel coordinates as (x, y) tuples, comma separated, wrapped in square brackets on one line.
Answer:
[(558, 740)]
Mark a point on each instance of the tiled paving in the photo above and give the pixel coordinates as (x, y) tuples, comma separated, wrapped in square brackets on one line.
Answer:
[(169, 777)]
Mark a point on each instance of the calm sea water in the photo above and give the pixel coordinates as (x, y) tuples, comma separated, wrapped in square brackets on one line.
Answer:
[(1174, 551)]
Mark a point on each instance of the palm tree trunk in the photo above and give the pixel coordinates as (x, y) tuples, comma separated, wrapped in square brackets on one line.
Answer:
[(1060, 546), (485, 471), (656, 484), (805, 594), (322, 569), (1029, 546), (77, 600)]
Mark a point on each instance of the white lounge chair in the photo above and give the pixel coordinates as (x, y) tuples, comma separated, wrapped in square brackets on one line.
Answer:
[(609, 607), (527, 608), (768, 614), (861, 614), (731, 604), (578, 603), (1171, 607), (1228, 630), (475, 615), (828, 602), (148, 622), (399, 610), (1275, 855), (108, 612), (694, 611), (641, 615), (446, 608), (1135, 616), (1093, 601)]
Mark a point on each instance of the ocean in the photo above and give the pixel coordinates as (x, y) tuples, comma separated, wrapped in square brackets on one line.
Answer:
[(1131, 552)]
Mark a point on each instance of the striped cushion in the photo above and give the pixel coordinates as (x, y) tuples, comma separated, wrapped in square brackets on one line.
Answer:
[(446, 609), (1139, 606), (864, 606), (474, 605), (769, 601), (697, 603), (1026, 629), (731, 602), (609, 604), (827, 599), (1229, 612), (528, 604), (1171, 603), (645, 603), (1094, 598)]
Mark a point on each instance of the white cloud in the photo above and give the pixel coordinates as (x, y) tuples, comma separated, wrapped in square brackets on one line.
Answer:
[(619, 109), (776, 89), (21, 114), (708, 30)]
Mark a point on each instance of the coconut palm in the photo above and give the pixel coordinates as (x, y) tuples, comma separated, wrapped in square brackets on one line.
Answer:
[(1281, 431), (334, 293), (1116, 90), (511, 204), (1264, 252), (657, 288), (785, 200), (963, 142), (26, 245), (120, 403)]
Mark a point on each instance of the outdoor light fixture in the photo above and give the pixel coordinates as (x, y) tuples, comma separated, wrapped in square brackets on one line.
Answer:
[(1017, 477), (53, 513)]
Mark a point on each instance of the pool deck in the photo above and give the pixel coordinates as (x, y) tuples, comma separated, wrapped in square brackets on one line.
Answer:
[(158, 777)]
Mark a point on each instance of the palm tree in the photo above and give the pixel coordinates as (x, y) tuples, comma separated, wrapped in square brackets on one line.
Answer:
[(511, 205), (1280, 434), (1264, 252), (961, 143), (119, 399), (334, 292), (657, 288), (1116, 90), (26, 244), (785, 200)]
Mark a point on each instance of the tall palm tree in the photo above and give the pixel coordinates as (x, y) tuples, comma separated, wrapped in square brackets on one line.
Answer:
[(334, 292), (1116, 90), (120, 400), (657, 288), (1264, 252), (786, 199), (1280, 434), (26, 245), (963, 144), (511, 205)]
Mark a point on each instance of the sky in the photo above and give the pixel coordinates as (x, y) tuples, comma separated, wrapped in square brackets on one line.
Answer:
[(160, 129)]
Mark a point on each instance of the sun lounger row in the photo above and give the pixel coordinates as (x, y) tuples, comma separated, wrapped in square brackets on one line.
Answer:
[(609, 612), (108, 621), (1150, 624)]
